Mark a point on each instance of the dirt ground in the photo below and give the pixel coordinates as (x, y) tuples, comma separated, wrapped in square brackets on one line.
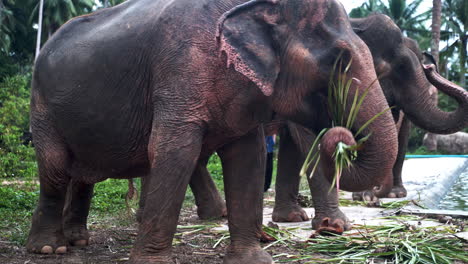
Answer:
[(112, 245)]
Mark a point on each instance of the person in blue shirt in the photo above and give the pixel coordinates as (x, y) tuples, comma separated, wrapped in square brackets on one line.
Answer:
[(270, 145)]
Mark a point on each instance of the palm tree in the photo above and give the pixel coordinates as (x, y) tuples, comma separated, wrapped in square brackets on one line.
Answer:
[(6, 25), (456, 24), (403, 14), (436, 17), (406, 17), (57, 12), (366, 9)]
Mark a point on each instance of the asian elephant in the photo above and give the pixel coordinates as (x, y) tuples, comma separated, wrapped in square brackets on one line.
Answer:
[(151, 88), (408, 84)]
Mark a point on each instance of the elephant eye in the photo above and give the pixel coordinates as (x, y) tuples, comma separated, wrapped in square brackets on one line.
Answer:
[(403, 65)]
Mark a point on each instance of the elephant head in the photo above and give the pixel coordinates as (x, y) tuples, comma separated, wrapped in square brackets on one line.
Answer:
[(288, 48), (407, 82)]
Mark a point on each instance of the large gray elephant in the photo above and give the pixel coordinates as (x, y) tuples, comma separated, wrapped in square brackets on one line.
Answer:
[(408, 85), (151, 88)]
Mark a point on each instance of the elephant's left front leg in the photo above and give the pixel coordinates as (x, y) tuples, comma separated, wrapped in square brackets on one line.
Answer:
[(173, 153), (398, 190), (243, 168), (328, 216), (290, 160), (209, 203)]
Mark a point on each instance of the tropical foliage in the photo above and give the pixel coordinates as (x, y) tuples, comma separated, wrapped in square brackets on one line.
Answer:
[(404, 13), (18, 27), (455, 27)]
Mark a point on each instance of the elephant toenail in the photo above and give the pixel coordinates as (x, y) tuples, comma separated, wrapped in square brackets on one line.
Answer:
[(61, 250), (47, 250)]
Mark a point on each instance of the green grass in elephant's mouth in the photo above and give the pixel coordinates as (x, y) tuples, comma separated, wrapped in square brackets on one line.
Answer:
[(341, 115)]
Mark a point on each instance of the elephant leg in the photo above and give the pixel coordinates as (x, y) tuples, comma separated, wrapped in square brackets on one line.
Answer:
[(244, 171), (75, 213), (328, 216), (398, 190), (46, 234), (141, 203), (209, 203), (173, 152), (290, 161)]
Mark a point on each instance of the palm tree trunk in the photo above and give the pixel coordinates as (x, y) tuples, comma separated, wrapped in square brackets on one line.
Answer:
[(463, 43), (39, 29), (436, 17), (1, 13)]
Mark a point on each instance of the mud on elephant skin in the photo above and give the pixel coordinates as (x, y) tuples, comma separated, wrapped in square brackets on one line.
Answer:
[(178, 80)]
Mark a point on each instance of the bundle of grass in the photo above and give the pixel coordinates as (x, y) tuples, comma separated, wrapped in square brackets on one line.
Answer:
[(398, 243), (391, 243), (338, 93)]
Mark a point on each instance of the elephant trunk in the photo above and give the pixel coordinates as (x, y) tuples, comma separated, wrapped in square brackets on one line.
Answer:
[(374, 162), (370, 169), (425, 113)]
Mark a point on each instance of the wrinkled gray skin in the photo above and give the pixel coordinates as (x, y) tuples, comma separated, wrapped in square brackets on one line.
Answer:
[(410, 90), (151, 88)]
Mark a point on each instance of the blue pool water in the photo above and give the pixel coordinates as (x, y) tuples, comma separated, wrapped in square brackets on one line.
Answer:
[(457, 197)]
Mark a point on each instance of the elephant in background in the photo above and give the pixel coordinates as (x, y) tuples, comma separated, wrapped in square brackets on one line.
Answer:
[(408, 84), (178, 80)]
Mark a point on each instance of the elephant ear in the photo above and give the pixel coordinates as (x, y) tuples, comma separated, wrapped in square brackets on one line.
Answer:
[(245, 38)]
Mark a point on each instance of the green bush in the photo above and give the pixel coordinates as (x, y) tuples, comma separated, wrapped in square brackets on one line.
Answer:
[(16, 157)]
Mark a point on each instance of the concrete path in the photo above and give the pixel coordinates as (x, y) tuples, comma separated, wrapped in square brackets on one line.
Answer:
[(429, 179)]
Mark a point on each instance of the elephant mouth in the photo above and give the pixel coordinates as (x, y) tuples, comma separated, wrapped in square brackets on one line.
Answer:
[(430, 67)]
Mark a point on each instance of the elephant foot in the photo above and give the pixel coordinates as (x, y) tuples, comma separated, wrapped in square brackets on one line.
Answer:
[(397, 192), (289, 213), (45, 242), (247, 255), (335, 223), (212, 211), (77, 235), (368, 197)]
